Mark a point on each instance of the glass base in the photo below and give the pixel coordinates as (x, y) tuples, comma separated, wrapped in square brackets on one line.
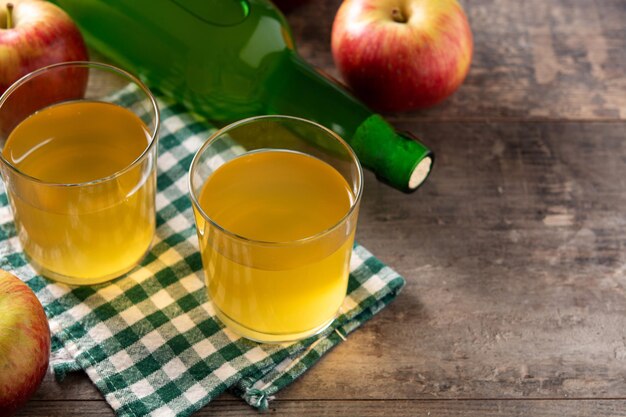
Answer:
[(260, 337), (82, 281)]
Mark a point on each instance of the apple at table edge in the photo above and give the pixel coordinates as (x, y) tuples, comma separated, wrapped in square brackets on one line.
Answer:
[(24, 343)]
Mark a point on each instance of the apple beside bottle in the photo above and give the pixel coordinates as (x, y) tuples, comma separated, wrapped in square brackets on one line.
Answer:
[(399, 56)]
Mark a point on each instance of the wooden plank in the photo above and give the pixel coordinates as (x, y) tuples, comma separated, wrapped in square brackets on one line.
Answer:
[(468, 408), (535, 59), (514, 256)]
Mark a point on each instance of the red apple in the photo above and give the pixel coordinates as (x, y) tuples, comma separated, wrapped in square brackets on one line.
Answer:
[(402, 54), (34, 34), (40, 34), (24, 343)]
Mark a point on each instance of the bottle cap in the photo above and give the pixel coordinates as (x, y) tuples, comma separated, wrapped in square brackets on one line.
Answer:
[(396, 158)]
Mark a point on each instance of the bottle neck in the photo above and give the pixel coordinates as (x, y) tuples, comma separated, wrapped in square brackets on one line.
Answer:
[(297, 89)]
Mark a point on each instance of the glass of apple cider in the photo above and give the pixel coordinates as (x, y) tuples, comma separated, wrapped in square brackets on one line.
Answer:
[(276, 201), (78, 160)]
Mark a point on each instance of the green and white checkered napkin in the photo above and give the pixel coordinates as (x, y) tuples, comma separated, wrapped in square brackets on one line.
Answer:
[(150, 340)]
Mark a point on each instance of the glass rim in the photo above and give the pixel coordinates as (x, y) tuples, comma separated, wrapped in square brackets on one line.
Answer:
[(87, 64), (217, 134)]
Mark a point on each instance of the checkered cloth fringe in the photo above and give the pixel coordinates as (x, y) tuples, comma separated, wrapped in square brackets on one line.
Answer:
[(150, 340)]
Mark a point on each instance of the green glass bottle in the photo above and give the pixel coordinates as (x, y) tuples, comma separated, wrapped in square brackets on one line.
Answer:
[(231, 59)]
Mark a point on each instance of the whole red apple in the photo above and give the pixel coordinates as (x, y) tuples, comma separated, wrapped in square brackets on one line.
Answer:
[(402, 54), (34, 34), (24, 343)]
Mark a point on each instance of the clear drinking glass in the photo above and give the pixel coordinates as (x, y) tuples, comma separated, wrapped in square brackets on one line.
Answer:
[(79, 147), (276, 201)]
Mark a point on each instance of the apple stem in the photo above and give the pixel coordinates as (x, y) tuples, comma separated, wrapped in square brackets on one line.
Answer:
[(397, 15), (9, 15)]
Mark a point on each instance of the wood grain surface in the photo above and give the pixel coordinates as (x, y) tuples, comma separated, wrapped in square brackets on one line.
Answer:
[(367, 408), (514, 250), (533, 59)]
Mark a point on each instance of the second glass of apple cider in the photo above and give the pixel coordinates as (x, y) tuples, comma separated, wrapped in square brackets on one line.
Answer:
[(79, 143), (276, 202)]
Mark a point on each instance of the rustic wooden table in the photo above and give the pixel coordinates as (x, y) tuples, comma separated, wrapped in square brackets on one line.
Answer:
[(514, 250)]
